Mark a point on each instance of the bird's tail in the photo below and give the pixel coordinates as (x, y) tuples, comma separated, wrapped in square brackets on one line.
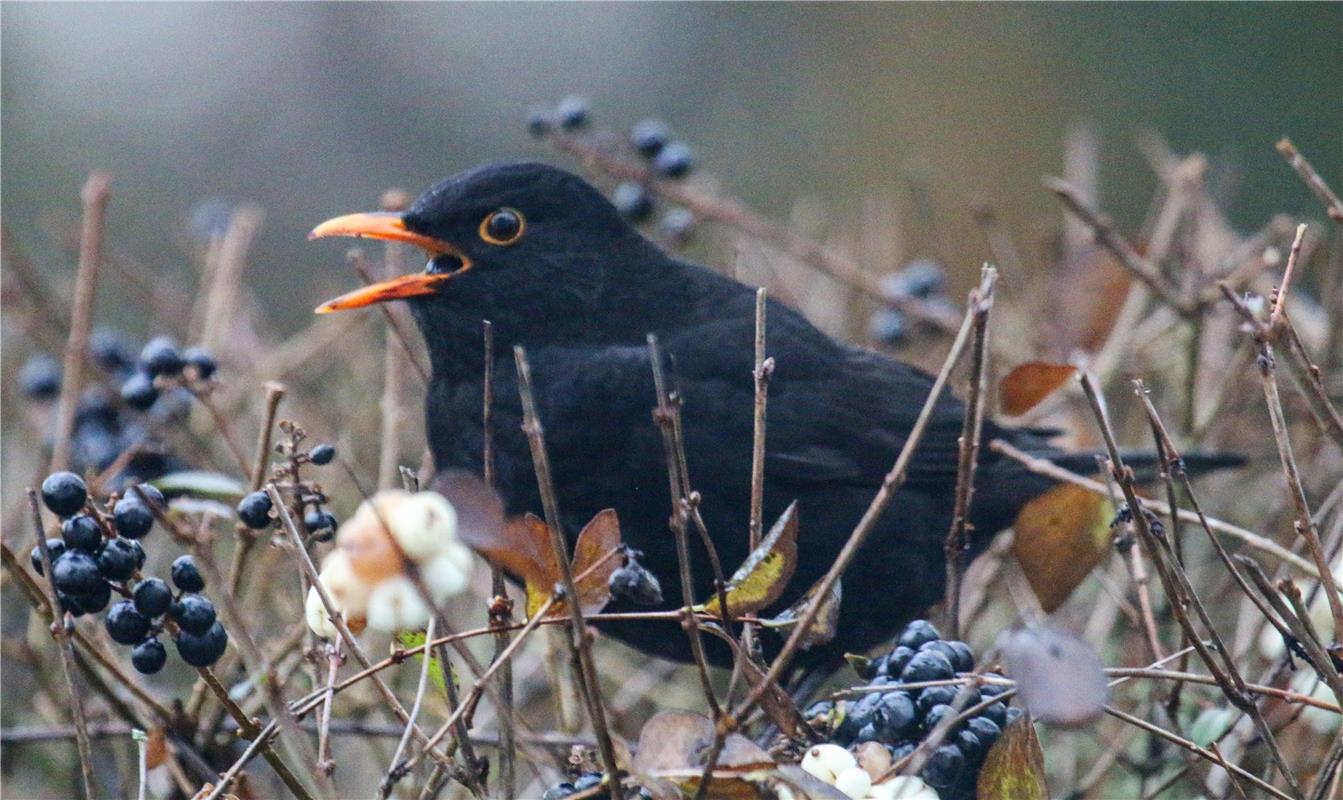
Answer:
[(1146, 463)]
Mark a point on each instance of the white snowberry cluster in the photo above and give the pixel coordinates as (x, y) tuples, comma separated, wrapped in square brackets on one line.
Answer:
[(838, 767), (366, 575)]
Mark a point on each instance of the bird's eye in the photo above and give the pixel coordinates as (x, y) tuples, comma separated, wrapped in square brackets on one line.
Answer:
[(502, 227)]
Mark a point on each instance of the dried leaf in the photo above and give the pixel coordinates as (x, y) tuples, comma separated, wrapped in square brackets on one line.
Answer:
[(777, 704), (823, 626), (594, 561), (1089, 291), (156, 747), (480, 511), (1059, 538), (1060, 679), (1014, 768), (674, 746), (1030, 383), (764, 574)]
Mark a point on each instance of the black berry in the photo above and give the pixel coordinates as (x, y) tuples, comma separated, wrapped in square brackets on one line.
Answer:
[(322, 454), (149, 656), (161, 357), (935, 715), (573, 112), (254, 510), (76, 573), (895, 662), (889, 326), (152, 597), (996, 713), (632, 201), (138, 391), (677, 224), (674, 160), (152, 496), (319, 522), (132, 518), (918, 633), (118, 559), (964, 660), (186, 576), (927, 666), (68, 604), (538, 121), (55, 548), (111, 351), (203, 649), (81, 532), (64, 493), (139, 554), (126, 625), (635, 583), (896, 716), (649, 136), (993, 689), (94, 601), (944, 766), (203, 362), (935, 696), (40, 378), (986, 729), (194, 613)]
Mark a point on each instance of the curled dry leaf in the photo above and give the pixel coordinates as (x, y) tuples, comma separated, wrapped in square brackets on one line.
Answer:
[(823, 626), (764, 574), (1060, 679), (1030, 383), (596, 556), (674, 746), (1059, 538), (1014, 768)]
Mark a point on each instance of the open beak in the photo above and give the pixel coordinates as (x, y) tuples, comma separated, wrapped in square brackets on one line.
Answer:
[(389, 227)]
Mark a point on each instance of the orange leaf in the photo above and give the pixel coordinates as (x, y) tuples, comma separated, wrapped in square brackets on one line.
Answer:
[(1059, 537), (1028, 384), (595, 558)]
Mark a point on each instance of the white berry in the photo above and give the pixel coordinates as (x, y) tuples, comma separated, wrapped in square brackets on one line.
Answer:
[(826, 761), (423, 523), (854, 782), (444, 576), (902, 787), (396, 605)]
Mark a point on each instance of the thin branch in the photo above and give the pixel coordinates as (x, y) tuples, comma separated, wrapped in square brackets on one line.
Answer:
[(394, 770), (1311, 178), (357, 261)]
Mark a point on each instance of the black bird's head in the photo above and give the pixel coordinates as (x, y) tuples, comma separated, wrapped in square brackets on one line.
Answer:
[(528, 246)]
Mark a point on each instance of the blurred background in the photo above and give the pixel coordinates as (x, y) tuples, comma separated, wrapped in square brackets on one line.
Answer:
[(312, 110)]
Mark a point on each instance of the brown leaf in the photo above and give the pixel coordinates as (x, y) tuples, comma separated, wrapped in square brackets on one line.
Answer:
[(595, 558), (674, 747), (1088, 293), (533, 556), (777, 704), (1030, 383), (1014, 768), (1060, 679), (156, 747), (1059, 538), (764, 574), (823, 626)]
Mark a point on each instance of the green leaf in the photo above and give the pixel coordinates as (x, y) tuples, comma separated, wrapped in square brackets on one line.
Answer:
[(408, 640), (764, 574), (199, 483), (823, 626), (1014, 768)]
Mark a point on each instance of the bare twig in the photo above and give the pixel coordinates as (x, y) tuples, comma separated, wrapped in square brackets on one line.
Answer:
[(1312, 179), (394, 771), (94, 196)]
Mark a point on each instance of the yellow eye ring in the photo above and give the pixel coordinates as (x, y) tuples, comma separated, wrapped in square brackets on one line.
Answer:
[(503, 227)]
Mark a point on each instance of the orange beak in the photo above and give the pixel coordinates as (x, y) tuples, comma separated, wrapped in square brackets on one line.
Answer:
[(388, 227)]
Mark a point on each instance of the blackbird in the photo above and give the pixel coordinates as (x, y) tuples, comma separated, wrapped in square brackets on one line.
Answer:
[(549, 261)]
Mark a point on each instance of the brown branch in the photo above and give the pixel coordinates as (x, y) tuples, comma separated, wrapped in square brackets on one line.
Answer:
[(1311, 178), (958, 537), (395, 771), (94, 197)]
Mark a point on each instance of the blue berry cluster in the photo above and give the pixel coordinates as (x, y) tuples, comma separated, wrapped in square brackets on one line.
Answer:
[(254, 510), (650, 140), (903, 717), (585, 782), (123, 397), (99, 553), (921, 279)]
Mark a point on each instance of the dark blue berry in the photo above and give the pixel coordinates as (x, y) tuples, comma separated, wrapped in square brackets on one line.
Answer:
[(317, 521), (117, 560), (867, 733), (996, 713), (111, 351), (76, 573), (674, 160), (139, 554), (899, 751), (151, 494), (1013, 714), (254, 510), (64, 493), (918, 633), (927, 666), (194, 613), (935, 715), (935, 696), (94, 601), (573, 112), (152, 597), (40, 378), (896, 716), (857, 714), (203, 362), (588, 780), (819, 710), (677, 224), (186, 576), (649, 136), (895, 662), (55, 548), (889, 326), (632, 201), (538, 121), (126, 625), (132, 518), (942, 647), (68, 604), (944, 766), (921, 278), (138, 391), (322, 454), (559, 791), (202, 649), (986, 729), (161, 357), (149, 656), (964, 660), (81, 532), (993, 689), (967, 741)]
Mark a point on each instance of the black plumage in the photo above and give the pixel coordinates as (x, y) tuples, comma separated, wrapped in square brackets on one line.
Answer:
[(581, 290)]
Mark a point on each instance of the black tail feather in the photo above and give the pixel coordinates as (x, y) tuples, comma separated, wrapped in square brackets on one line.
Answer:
[(1145, 463)]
